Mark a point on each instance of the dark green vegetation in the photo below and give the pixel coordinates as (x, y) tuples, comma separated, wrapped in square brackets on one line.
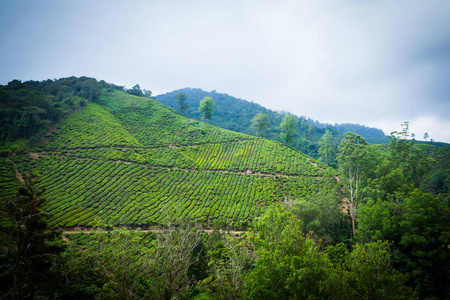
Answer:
[(377, 227), (28, 249), (28, 108)]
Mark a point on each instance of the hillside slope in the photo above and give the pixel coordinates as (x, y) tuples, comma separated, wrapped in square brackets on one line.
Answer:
[(134, 161)]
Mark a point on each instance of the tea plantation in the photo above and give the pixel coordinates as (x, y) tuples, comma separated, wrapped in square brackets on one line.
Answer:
[(130, 160)]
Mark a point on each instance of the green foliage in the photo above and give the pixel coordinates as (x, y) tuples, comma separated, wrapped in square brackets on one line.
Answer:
[(436, 179), (24, 113), (135, 266), (354, 160), (261, 121), (206, 108), (418, 224), (131, 161), (369, 133), (229, 260), (396, 211), (425, 226), (115, 258), (406, 157), (288, 266), (232, 114), (136, 91), (291, 266), (276, 262), (327, 149), (27, 109), (181, 100), (289, 125), (322, 215), (9, 184), (439, 183), (28, 249), (367, 274)]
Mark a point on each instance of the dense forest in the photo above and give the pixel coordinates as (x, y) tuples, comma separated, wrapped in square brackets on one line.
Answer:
[(108, 194)]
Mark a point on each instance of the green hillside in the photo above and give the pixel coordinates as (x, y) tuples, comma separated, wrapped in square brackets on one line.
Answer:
[(134, 161)]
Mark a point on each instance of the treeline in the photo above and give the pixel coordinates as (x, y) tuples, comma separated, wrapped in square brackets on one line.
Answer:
[(27, 108), (364, 131), (388, 199)]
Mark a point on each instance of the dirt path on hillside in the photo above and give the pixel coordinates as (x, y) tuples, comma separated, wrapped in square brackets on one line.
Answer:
[(249, 172), (88, 230), (66, 239), (314, 163)]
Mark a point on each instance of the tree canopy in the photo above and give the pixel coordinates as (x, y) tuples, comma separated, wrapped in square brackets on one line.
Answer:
[(353, 162), (206, 108), (181, 100), (136, 90), (326, 147), (261, 122), (289, 125), (27, 247)]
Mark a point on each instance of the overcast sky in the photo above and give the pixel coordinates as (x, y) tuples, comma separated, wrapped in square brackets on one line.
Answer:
[(376, 63)]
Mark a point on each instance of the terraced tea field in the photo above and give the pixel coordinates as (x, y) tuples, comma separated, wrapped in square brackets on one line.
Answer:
[(136, 162)]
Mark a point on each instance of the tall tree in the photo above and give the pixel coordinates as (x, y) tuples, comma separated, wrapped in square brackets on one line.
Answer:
[(148, 93), (260, 121), (425, 136), (352, 163), (27, 248), (136, 90), (369, 274), (325, 147), (288, 265), (206, 108), (230, 259), (406, 157), (181, 100), (289, 125)]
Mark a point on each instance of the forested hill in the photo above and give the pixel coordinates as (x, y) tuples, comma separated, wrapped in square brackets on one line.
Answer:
[(231, 113), (369, 133), (235, 114)]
